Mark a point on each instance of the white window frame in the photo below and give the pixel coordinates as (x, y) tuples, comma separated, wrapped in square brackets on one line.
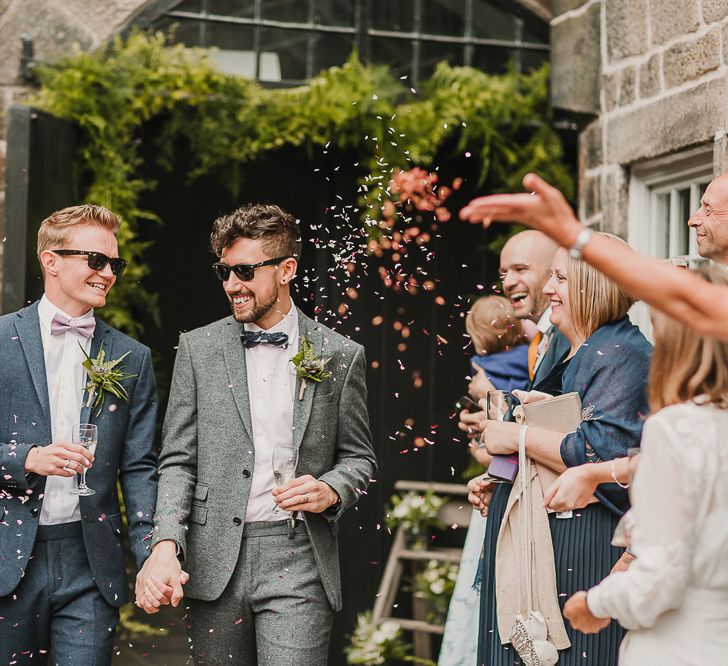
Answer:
[(649, 179)]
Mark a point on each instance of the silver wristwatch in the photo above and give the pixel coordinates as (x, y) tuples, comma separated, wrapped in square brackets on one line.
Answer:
[(577, 249)]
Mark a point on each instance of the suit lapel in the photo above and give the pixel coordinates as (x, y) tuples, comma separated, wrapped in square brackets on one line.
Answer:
[(28, 327), (103, 334), (234, 356), (302, 408)]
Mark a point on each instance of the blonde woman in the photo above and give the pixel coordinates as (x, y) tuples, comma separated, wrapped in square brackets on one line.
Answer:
[(674, 596), (607, 365)]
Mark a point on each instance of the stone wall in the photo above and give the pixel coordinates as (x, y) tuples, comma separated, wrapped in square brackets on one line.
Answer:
[(645, 78), (57, 27)]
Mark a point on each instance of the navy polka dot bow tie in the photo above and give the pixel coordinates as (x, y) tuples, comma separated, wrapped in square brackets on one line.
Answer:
[(252, 338)]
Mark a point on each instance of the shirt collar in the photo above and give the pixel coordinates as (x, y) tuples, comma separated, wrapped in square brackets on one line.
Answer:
[(46, 312), (544, 323), (288, 325)]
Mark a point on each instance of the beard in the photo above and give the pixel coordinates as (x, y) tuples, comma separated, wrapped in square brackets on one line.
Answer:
[(259, 309)]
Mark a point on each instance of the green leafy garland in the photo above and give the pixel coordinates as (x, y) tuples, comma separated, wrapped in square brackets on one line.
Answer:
[(229, 122)]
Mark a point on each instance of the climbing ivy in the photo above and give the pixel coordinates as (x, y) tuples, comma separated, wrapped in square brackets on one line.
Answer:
[(228, 122)]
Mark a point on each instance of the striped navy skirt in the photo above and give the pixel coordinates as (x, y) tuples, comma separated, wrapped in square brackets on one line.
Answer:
[(583, 555)]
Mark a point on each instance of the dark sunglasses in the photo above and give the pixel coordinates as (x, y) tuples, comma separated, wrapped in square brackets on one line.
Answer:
[(97, 260), (244, 272)]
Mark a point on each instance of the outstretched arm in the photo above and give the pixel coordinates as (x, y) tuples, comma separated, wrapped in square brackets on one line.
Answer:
[(679, 294)]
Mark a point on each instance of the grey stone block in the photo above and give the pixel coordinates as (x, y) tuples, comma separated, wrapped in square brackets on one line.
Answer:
[(650, 77), (671, 18), (626, 28), (576, 62), (615, 202), (610, 85), (627, 86), (668, 124), (691, 59), (591, 154), (590, 196), (714, 10)]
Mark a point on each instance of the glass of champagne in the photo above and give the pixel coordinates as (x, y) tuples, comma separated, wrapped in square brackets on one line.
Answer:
[(87, 435), (497, 404), (285, 461)]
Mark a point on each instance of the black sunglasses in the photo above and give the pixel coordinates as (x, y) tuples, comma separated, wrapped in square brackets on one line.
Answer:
[(97, 260), (244, 272)]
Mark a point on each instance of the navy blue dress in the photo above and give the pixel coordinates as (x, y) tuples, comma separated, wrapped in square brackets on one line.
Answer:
[(609, 372)]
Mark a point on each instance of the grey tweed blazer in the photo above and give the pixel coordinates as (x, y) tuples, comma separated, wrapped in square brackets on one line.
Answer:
[(207, 456)]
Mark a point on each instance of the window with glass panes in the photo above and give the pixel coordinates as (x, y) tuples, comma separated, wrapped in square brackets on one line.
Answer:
[(289, 41)]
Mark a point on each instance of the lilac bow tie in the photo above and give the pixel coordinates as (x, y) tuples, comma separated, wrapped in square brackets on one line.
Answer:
[(84, 327)]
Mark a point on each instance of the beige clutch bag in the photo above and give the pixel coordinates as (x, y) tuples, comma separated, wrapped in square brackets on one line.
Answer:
[(561, 413)]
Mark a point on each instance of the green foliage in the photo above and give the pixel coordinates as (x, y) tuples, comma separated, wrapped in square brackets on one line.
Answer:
[(228, 122)]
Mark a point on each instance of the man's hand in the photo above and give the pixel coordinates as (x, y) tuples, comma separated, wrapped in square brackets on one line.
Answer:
[(500, 437), (545, 209), (480, 384), (58, 459), (480, 491), (577, 612), (572, 489), (622, 564), (470, 423), (160, 580), (304, 493)]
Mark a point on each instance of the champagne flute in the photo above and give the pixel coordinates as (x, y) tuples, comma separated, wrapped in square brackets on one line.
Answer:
[(285, 461), (497, 404), (87, 435)]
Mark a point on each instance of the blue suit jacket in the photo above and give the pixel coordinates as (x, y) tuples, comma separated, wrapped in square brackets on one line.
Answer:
[(124, 452)]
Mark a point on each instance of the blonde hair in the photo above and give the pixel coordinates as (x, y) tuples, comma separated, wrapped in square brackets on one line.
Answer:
[(594, 299), (684, 363), (492, 325), (55, 230)]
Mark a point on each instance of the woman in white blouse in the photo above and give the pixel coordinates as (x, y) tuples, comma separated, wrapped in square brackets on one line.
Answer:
[(673, 598)]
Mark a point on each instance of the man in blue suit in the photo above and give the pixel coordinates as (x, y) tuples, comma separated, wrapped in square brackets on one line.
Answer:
[(62, 577)]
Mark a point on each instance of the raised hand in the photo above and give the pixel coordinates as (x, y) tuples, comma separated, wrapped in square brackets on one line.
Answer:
[(160, 580), (544, 209), (305, 493), (58, 459)]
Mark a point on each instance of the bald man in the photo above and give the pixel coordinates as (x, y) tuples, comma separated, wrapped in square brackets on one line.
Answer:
[(710, 221), (525, 265)]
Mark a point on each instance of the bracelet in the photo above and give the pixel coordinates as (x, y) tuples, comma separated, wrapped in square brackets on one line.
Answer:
[(614, 476), (577, 249)]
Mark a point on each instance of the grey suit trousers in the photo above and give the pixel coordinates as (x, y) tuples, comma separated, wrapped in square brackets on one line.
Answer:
[(57, 614), (274, 611)]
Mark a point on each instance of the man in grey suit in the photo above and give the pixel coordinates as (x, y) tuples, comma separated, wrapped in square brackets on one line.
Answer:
[(62, 576), (262, 585)]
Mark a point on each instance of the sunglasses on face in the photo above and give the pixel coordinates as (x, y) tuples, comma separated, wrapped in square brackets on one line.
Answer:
[(244, 272), (97, 260)]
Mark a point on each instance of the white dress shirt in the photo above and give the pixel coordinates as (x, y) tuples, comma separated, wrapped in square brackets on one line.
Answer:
[(66, 379), (674, 596), (271, 387)]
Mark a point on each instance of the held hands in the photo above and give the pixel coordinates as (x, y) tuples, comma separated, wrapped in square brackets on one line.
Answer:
[(480, 491), (305, 493), (545, 209), (572, 489), (58, 459), (160, 580), (577, 612)]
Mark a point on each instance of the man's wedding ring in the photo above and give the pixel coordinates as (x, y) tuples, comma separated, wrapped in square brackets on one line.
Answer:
[(67, 467), (305, 498)]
